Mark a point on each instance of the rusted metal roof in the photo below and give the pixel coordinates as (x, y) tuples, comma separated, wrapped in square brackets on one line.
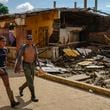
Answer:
[(40, 10)]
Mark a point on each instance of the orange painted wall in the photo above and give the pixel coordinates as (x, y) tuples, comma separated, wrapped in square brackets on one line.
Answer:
[(41, 19)]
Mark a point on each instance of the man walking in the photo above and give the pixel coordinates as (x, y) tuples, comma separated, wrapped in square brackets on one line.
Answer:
[(29, 53)]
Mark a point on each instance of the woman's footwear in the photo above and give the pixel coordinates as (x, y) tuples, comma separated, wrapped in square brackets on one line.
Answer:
[(13, 104)]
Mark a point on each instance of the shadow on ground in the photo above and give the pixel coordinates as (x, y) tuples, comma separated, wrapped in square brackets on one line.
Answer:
[(22, 105)]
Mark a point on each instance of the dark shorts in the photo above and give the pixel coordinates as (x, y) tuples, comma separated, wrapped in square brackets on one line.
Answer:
[(3, 71)]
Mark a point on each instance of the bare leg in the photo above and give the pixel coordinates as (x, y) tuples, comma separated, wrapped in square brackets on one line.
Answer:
[(8, 90)]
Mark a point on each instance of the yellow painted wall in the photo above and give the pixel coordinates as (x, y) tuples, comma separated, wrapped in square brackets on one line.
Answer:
[(41, 19)]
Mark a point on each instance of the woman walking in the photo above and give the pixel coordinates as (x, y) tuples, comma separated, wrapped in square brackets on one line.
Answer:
[(3, 72)]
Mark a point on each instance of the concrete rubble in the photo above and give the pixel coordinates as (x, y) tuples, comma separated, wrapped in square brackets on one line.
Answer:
[(87, 64)]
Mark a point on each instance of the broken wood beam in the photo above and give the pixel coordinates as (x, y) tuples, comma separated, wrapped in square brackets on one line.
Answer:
[(81, 85), (65, 45)]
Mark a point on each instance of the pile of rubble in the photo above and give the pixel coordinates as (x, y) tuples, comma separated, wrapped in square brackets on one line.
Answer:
[(90, 65)]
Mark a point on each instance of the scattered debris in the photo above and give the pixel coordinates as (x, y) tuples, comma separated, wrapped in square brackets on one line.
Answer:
[(86, 65), (50, 68)]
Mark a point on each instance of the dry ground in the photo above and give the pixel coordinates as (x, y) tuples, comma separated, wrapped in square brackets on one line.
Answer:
[(53, 96)]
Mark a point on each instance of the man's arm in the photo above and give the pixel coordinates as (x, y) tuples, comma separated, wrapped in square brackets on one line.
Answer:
[(40, 71), (18, 60), (37, 59)]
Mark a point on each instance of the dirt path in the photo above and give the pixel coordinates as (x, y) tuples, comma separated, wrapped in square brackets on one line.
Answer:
[(53, 96)]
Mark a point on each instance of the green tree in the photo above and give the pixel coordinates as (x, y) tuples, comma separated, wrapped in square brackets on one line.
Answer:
[(3, 9)]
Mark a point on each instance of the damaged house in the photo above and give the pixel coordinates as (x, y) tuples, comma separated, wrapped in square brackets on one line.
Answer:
[(55, 27), (54, 30), (73, 41)]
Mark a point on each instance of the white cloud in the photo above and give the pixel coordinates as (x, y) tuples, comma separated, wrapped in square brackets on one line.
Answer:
[(24, 7), (108, 6), (3, 1)]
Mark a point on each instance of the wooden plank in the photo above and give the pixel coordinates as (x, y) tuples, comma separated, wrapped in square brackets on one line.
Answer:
[(79, 77), (84, 86)]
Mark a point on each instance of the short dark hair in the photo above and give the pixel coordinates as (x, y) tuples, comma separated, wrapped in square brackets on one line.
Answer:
[(2, 38)]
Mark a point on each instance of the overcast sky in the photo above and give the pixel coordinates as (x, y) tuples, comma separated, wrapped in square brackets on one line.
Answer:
[(26, 5)]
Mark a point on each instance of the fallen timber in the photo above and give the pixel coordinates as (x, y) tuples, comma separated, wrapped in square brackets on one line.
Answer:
[(77, 84), (90, 72), (66, 45)]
